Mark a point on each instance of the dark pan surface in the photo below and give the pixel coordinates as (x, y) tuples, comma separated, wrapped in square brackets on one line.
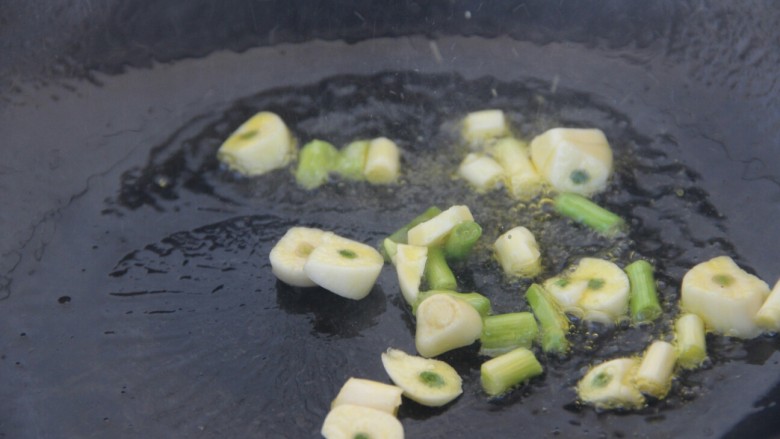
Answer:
[(138, 298)]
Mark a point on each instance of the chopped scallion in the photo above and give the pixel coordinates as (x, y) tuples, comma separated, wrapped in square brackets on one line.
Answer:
[(691, 341), (644, 296), (461, 240), (589, 213), (317, 159), (504, 332), (508, 370), (438, 274), (554, 323)]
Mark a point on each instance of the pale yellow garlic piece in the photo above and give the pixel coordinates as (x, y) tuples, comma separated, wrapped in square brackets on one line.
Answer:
[(481, 172), (610, 385), (726, 297), (429, 382), (482, 126), (518, 253), (353, 421), (290, 254), (383, 161), (261, 144), (436, 229), (369, 393), (345, 267), (596, 290), (768, 316), (573, 159), (410, 266)]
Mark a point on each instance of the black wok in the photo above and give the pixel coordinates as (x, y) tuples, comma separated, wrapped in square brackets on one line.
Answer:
[(135, 292)]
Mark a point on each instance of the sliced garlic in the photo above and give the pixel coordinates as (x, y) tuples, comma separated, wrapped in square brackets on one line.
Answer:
[(573, 159), (261, 144), (436, 229), (427, 381), (410, 266), (480, 127), (290, 254), (726, 297), (345, 267), (481, 172), (353, 421), (369, 393)]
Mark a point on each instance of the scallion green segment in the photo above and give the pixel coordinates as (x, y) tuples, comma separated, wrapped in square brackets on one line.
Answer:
[(478, 301), (438, 274), (352, 160), (504, 332), (508, 370), (317, 159), (643, 299), (552, 320), (690, 340), (589, 213), (462, 240)]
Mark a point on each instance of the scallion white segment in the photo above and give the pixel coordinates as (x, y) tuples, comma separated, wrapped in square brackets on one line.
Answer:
[(610, 385), (290, 254), (445, 323), (654, 376), (353, 421), (383, 161), (436, 229), (369, 393), (691, 341), (482, 126), (520, 176), (726, 297), (768, 316), (518, 253), (343, 266), (596, 290), (481, 171), (573, 159), (409, 263), (261, 144), (427, 381)]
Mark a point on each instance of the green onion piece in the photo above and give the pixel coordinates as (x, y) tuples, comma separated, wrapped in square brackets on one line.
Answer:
[(352, 159), (317, 159), (437, 273), (399, 235), (654, 376), (478, 301), (554, 323), (644, 297), (461, 240), (589, 213), (508, 370), (389, 249), (690, 340), (503, 332)]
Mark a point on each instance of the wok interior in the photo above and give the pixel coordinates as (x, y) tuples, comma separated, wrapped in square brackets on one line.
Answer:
[(184, 347)]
